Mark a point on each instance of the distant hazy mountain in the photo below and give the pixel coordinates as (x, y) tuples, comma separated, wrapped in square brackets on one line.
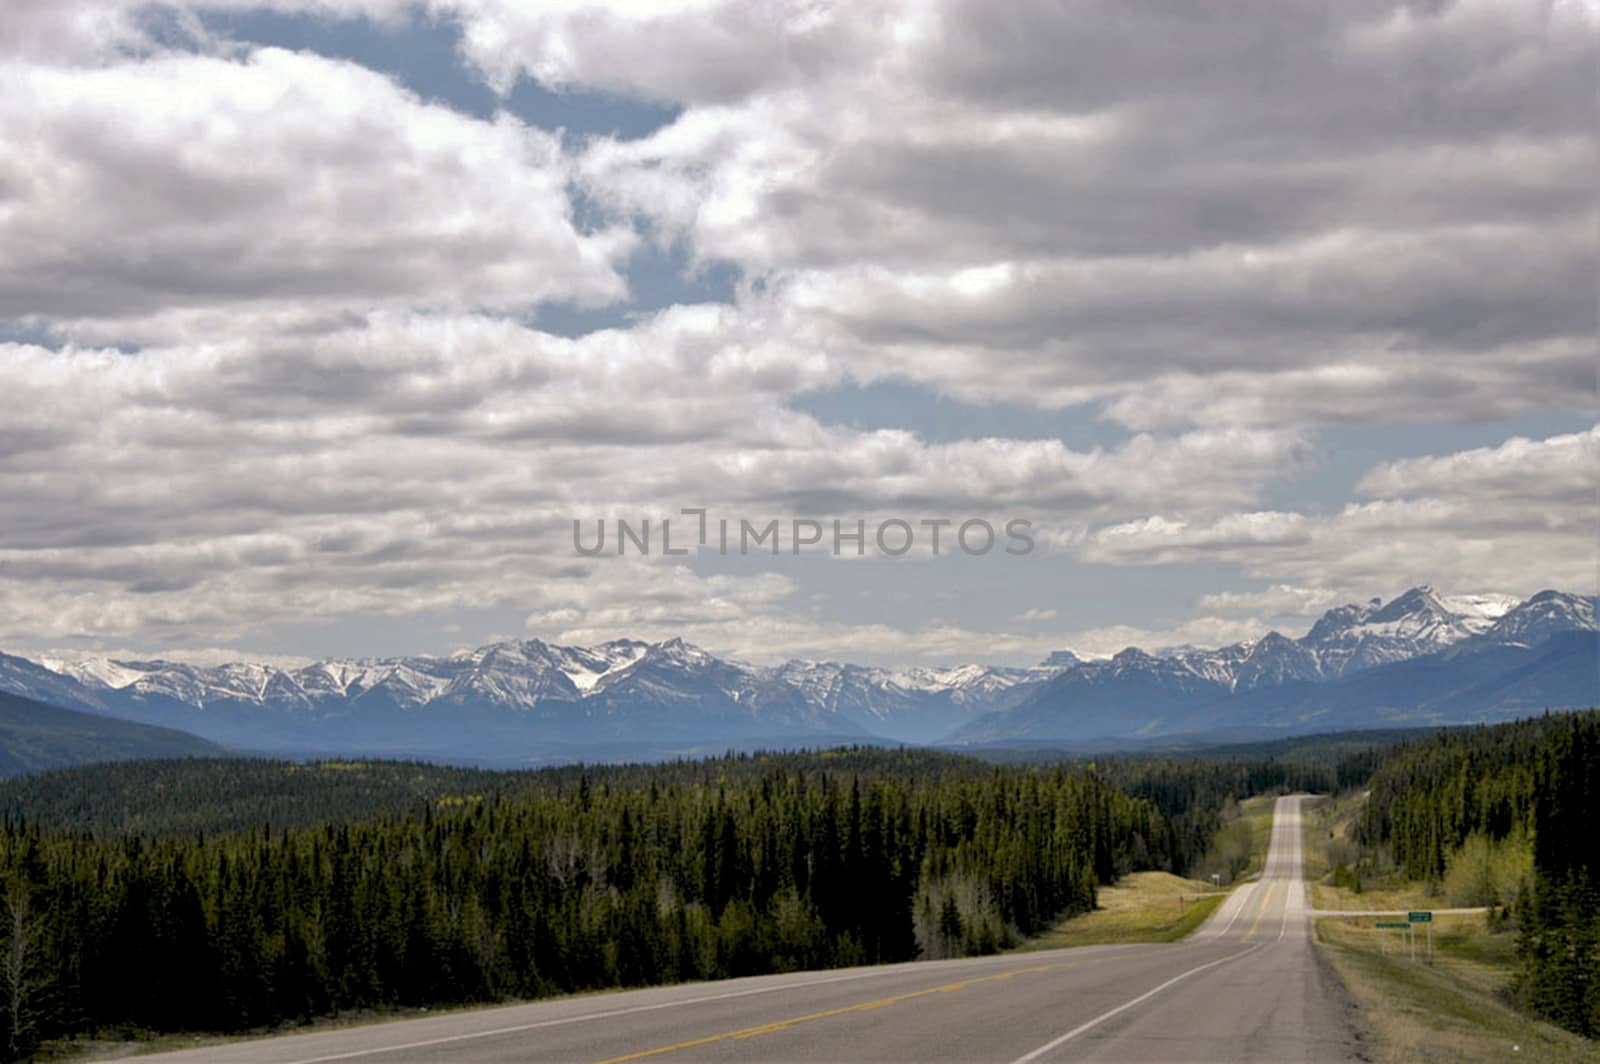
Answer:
[(35, 736), (1419, 657)]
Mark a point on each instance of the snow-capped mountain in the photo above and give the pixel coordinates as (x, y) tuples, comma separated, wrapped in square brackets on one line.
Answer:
[(1421, 656), (1349, 639), (510, 697), (525, 691), (1420, 621), (31, 679), (1544, 615)]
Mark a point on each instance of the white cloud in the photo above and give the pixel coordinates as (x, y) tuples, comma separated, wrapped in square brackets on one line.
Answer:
[(1560, 471), (720, 51), (149, 193), (1131, 208), (414, 463), (1519, 517), (1161, 540), (1221, 234), (1202, 631), (1280, 600)]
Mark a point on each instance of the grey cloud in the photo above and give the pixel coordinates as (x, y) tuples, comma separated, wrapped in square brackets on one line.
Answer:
[(1105, 194), (1276, 75)]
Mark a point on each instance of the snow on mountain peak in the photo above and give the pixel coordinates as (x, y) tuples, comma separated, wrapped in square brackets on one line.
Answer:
[(1489, 607), (626, 673), (1419, 621), (678, 650), (1543, 615), (95, 672)]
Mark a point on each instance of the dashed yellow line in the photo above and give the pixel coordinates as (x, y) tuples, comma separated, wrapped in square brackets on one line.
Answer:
[(1266, 900), (844, 1010)]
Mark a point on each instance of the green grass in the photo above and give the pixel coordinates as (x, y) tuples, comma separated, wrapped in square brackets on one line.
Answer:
[(1140, 907), (1455, 1010), (1257, 812)]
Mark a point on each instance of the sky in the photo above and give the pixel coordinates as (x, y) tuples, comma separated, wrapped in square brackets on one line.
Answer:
[(323, 321)]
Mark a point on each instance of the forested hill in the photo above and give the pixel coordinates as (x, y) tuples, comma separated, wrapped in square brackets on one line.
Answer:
[(181, 797), (1428, 796), (1508, 786), (36, 736)]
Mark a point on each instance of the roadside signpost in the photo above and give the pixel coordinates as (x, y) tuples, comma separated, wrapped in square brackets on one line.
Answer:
[(1390, 925), (1423, 917), (1409, 926)]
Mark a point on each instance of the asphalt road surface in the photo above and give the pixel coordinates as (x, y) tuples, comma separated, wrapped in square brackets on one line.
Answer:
[(1245, 987)]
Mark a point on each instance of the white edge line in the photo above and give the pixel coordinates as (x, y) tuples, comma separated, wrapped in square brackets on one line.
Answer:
[(1048, 1047)]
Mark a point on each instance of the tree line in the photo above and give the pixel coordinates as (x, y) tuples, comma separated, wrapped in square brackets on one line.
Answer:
[(1531, 784), (183, 797), (230, 894)]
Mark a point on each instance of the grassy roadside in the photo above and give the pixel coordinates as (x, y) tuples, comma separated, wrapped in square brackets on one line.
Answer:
[(1159, 906), (1453, 1011), (1140, 907)]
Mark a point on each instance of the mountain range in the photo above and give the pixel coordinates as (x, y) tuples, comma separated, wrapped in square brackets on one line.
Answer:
[(1420, 658)]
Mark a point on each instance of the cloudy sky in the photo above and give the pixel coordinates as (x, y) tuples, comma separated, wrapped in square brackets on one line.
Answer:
[(322, 320)]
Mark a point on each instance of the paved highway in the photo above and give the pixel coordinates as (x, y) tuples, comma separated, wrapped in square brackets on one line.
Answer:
[(1244, 988)]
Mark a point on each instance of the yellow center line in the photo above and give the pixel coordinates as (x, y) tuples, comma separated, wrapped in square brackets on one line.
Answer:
[(1266, 900), (864, 1006)]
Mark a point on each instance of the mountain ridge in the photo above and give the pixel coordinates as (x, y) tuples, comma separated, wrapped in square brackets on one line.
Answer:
[(530, 691)]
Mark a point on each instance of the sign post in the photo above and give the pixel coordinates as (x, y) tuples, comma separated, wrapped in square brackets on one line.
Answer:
[(1424, 917), (1389, 925)]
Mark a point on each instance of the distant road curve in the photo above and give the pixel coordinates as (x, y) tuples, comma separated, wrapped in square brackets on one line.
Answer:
[(1246, 987)]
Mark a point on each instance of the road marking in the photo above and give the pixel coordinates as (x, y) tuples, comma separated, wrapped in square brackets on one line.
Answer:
[(562, 1021), (1241, 907), (1296, 885), (1057, 1043), (1265, 902), (844, 1010)]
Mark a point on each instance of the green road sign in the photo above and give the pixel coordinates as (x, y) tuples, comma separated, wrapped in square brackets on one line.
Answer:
[(1420, 918), (1391, 926)]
